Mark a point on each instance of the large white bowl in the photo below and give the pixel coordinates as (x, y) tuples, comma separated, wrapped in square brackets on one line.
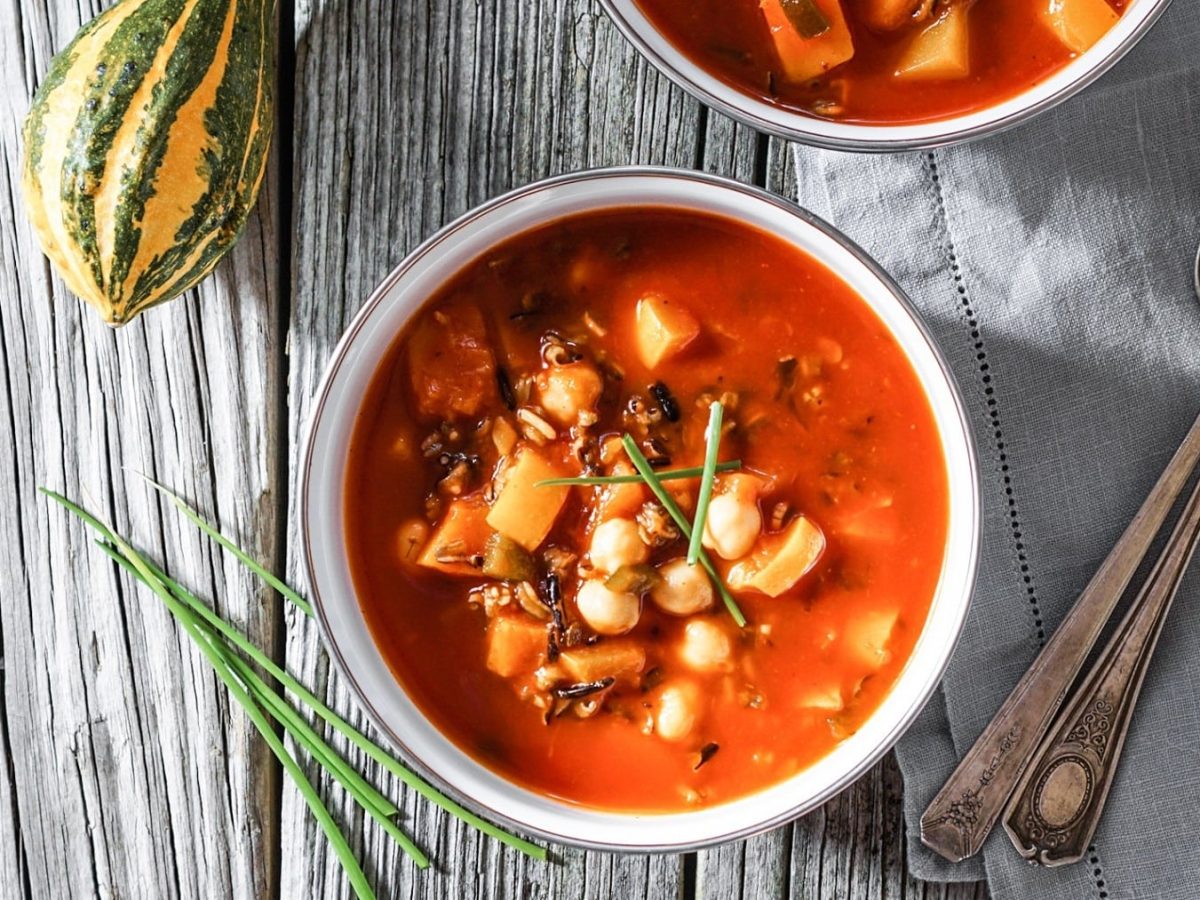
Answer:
[(349, 641), (794, 125)]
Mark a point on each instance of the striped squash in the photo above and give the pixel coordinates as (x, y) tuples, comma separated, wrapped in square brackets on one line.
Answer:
[(146, 145)]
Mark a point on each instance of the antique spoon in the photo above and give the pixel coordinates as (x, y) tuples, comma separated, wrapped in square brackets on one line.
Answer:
[(961, 816), (964, 811), (1058, 801)]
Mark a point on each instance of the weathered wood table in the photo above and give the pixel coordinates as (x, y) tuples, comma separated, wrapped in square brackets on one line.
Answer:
[(124, 772)]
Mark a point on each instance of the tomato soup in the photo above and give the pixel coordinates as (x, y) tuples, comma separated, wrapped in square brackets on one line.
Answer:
[(883, 61), (557, 632)]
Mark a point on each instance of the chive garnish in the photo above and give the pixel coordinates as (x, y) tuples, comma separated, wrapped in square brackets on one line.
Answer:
[(669, 475), (186, 620), (685, 527), (220, 642), (248, 561), (712, 438)]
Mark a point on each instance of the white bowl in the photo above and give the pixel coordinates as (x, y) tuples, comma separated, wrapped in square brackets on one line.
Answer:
[(791, 124), (349, 641)]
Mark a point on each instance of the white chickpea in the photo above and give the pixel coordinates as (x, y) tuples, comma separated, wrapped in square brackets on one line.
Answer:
[(732, 525), (616, 543), (676, 711), (566, 391), (706, 646), (607, 611), (684, 590), (411, 540)]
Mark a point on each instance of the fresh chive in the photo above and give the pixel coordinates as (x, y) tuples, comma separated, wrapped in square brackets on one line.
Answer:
[(184, 616), (370, 798), (643, 465), (712, 438), (409, 778), (668, 475), (248, 561)]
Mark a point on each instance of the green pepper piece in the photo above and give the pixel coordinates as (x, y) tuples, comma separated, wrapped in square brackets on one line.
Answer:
[(806, 17), (633, 579), (507, 560)]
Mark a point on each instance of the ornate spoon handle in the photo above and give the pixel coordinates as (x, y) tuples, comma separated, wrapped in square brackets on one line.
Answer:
[(1057, 804), (964, 811)]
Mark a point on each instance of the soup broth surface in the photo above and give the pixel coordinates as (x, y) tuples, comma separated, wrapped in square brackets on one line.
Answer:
[(883, 68), (571, 697)]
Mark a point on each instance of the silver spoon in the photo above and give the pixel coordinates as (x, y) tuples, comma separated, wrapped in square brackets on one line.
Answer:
[(1061, 784)]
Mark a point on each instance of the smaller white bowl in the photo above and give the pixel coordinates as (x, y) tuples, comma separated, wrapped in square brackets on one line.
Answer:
[(322, 512), (796, 126)]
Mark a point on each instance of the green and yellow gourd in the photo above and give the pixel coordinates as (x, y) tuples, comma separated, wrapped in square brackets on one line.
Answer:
[(146, 145)]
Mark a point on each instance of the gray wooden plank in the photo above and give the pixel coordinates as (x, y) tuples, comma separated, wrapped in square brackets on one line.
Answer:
[(126, 772), (400, 128)]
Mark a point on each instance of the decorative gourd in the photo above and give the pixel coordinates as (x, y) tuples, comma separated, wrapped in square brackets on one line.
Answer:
[(146, 145)]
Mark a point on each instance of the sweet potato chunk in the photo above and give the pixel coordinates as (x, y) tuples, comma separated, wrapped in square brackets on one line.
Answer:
[(663, 329), (867, 636), (620, 500), (461, 534), (515, 644), (807, 58), (826, 697), (451, 364), (523, 512), (779, 561), (617, 659), (890, 15), (941, 51), (1078, 23)]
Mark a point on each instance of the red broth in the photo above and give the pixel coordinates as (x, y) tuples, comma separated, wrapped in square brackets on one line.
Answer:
[(1010, 48), (832, 429)]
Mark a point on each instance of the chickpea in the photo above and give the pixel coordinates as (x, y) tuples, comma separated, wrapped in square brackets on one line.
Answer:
[(566, 391), (616, 543), (684, 589), (411, 540), (706, 646), (607, 611), (676, 711), (732, 525)]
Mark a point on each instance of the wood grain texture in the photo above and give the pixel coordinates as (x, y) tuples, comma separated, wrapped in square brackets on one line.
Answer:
[(123, 770)]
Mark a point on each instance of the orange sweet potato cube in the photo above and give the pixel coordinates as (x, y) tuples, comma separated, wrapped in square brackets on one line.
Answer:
[(461, 533), (450, 362), (779, 561), (523, 512), (663, 329), (806, 58), (619, 659), (515, 644)]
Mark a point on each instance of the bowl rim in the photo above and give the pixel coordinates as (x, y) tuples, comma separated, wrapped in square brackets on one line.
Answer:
[(790, 124), (413, 760)]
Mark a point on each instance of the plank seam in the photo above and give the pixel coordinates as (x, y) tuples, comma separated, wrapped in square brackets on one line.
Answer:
[(285, 78)]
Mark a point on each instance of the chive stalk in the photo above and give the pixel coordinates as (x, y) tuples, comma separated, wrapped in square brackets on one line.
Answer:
[(303, 733), (668, 475), (367, 795), (712, 438), (247, 560), (243, 643), (643, 465), (187, 621)]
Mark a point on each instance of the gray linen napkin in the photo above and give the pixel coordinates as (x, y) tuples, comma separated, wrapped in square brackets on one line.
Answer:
[(1054, 265)]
